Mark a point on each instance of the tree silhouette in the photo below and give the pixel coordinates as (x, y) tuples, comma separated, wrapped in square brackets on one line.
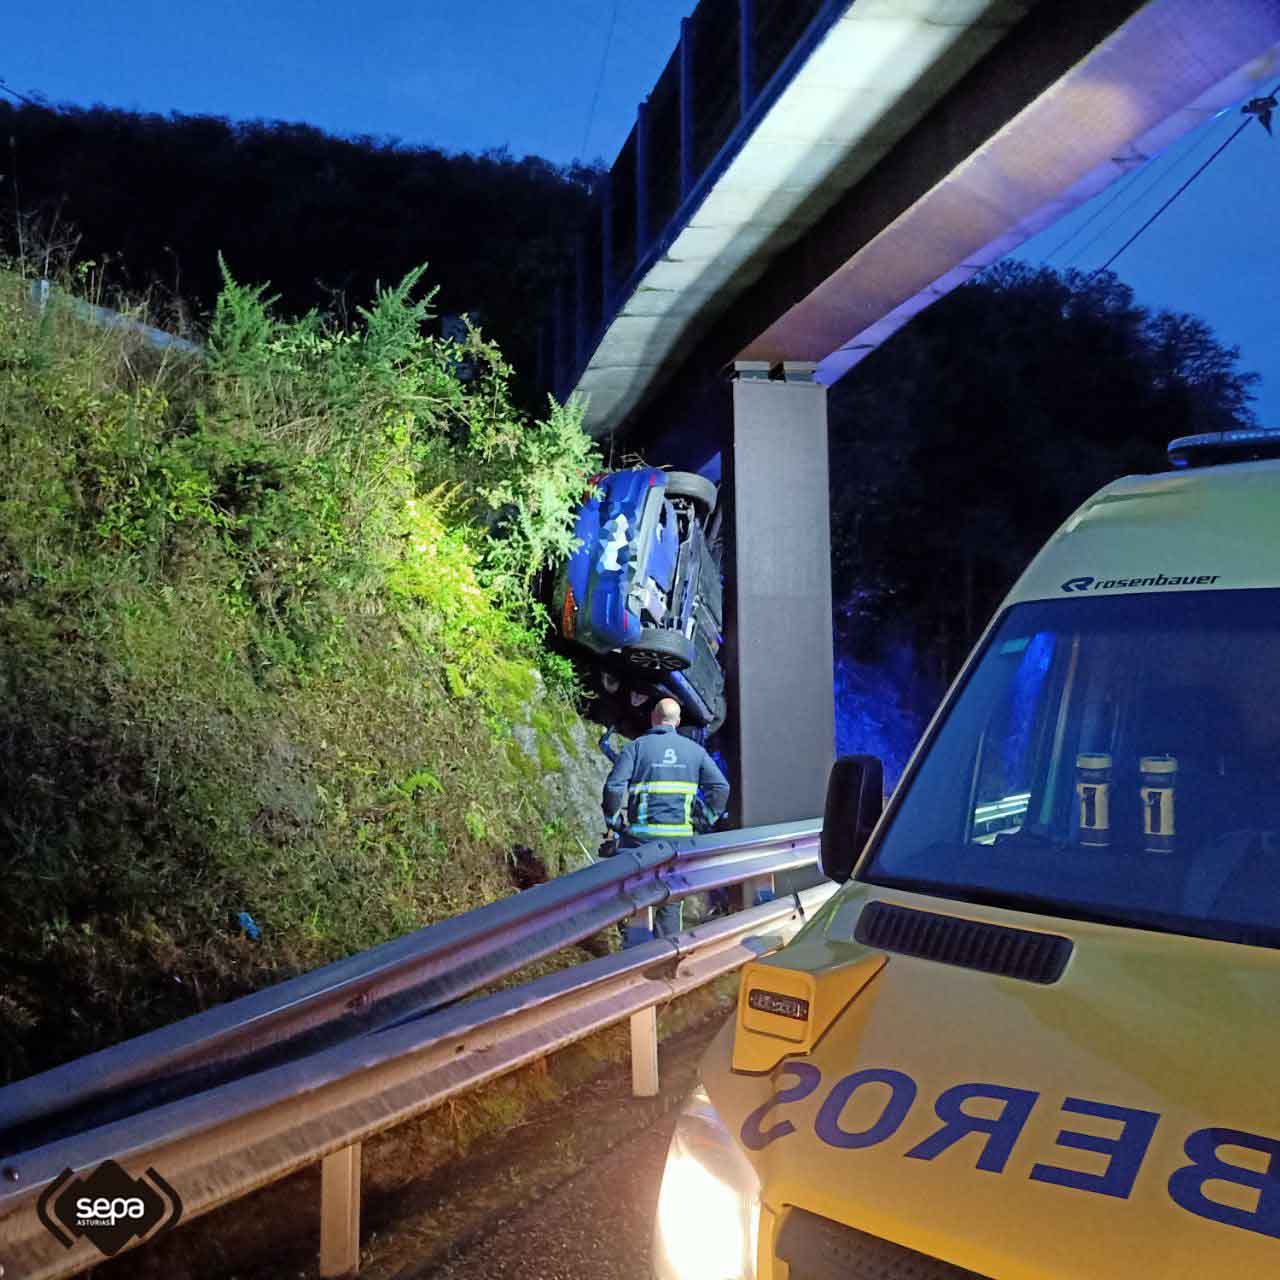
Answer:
[(963, 442), (323, 219)]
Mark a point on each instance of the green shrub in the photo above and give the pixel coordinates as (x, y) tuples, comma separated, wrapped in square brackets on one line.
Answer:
[(266, 627)]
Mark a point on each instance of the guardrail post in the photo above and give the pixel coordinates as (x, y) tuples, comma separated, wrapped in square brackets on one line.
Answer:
[(644, 1053), (644, 1034), (340, 1213)]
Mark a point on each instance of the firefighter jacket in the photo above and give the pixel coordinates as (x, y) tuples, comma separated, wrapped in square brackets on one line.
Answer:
[(658, 776)]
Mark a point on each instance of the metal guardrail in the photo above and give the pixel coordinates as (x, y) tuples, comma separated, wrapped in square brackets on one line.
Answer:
[(401, 1053), (43, 291), (402, 979)]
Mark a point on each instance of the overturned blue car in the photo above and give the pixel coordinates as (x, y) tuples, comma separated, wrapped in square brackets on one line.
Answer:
[(643, 592)]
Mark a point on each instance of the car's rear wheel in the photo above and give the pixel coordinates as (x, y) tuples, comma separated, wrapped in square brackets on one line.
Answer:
[(660, 650), (698, 490)]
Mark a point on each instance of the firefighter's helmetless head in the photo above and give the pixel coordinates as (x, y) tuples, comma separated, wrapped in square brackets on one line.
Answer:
[(665, 711)]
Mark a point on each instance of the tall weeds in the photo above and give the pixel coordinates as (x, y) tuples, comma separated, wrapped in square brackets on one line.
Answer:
[(266, 627)]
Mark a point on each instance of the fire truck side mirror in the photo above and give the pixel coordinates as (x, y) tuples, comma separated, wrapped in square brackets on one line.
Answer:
[(855, 799)]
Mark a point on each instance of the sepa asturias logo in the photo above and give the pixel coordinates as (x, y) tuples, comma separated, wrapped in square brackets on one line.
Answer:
[(108, 1208), (1156, 580)]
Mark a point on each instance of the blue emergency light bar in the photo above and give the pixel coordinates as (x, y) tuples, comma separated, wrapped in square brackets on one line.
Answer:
[(1212, 448)]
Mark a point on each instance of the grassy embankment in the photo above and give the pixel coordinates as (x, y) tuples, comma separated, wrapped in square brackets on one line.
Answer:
[(267, 645)]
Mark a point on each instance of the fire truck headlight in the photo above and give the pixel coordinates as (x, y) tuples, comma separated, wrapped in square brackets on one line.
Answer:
[(709, 1205)]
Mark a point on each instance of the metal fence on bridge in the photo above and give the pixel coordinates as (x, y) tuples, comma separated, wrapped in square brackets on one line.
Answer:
[(732, 60)]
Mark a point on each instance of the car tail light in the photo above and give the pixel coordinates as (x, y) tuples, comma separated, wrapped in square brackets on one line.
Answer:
[(569, 615)]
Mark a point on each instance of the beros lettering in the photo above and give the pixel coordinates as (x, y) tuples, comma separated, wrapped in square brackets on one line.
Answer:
[(986, 1121)]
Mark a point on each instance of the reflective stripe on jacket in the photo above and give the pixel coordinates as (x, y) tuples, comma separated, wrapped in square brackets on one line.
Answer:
[(658, 776)]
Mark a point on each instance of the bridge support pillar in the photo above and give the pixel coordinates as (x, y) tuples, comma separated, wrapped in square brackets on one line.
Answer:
[(784, 696), (340, 1212)]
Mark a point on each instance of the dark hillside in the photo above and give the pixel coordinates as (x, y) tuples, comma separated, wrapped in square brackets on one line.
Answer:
[(323, 218)]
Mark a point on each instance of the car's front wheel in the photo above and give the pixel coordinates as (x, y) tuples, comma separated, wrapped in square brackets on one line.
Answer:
[(697, 489), (660, 650)]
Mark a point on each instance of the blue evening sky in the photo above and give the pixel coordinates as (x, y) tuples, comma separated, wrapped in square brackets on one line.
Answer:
[(466, 75), (514, 73)]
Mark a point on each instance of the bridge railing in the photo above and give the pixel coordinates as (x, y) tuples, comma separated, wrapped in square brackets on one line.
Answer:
[(732, 60), (230, 1100)]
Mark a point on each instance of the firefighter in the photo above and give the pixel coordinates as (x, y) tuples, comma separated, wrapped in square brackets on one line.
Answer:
[(658, 776)]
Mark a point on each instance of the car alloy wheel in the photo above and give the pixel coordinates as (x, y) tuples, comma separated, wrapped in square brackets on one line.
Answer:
[(660, 649), (651, 661)]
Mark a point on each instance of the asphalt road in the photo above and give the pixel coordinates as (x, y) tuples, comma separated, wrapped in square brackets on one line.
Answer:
[(597, 1224), (568, 1196)]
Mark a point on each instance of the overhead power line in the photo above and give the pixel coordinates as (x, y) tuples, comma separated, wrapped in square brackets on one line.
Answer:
[(1262, 109), (1140, 190), (595, 97), (1235, 133), (1123, 185)]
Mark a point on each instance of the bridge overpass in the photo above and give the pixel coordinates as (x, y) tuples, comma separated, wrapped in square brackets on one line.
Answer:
[(805, 176)]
